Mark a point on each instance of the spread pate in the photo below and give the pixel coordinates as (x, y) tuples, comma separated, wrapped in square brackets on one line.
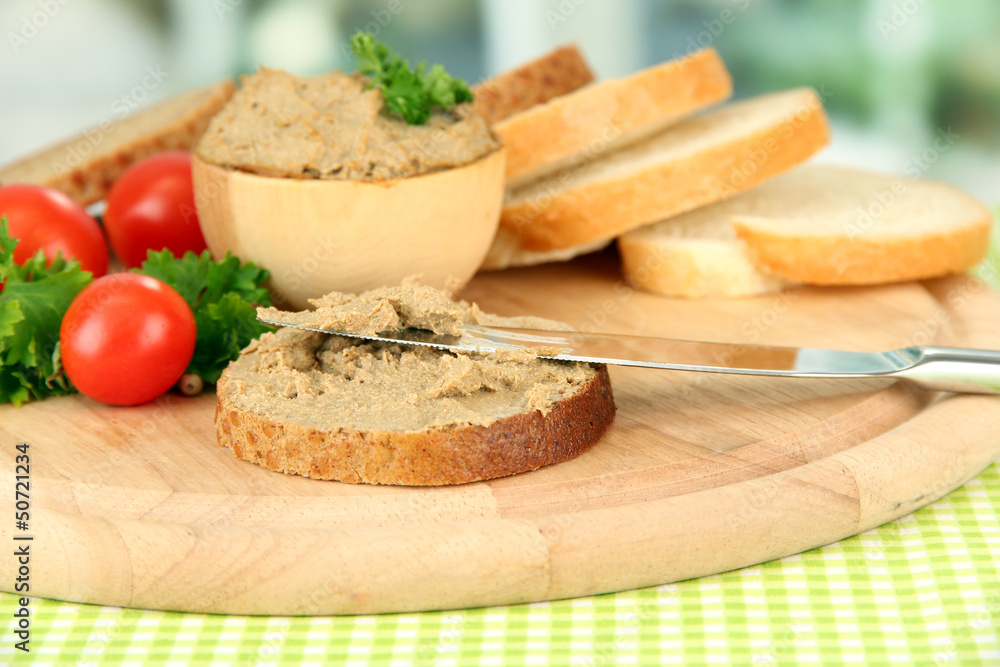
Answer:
[(410, 305), (314, 378), (332, 126)]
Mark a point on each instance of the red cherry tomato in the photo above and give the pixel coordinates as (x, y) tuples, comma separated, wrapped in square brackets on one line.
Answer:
[(44, 219), (151, 207), (126, 339)]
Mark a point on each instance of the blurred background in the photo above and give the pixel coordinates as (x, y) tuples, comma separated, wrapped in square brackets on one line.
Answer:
[(912, 86)]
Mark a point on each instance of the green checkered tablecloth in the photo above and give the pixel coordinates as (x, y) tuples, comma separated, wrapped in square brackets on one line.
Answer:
[(922, 590)]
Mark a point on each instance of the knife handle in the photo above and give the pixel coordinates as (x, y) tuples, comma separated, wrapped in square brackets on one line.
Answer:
[(954, 369)]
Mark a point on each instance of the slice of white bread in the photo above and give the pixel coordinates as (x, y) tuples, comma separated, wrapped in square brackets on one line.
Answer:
[(555, 73), (85, 166), (885, 229), (695, 163), (578, 127), (694, 255), (819, 225), (505, 253)]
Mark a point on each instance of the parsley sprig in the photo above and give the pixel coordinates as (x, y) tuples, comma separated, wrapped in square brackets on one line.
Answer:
[(411, 93), (223, 296)]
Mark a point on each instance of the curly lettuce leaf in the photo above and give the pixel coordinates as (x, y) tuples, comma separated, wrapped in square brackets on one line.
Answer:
[(34, 299)]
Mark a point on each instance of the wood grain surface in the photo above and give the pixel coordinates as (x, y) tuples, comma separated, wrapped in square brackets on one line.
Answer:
[(699, 474)]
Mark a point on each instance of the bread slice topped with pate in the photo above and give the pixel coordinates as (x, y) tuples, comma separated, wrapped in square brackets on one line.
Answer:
[(348, 409)]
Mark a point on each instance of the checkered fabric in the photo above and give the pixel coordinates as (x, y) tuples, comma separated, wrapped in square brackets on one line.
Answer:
[(923, 590)]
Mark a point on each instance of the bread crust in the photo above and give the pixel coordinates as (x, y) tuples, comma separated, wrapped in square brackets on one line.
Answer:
[(85, 166), (820, 225), (606, 208), (432, 457), (505, 253), (839, 260), (553, 74), (579, 126)]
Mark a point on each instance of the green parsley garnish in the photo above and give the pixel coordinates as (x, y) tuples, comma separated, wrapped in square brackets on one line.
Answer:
[(34, 299), (411, 93), (223, 296)]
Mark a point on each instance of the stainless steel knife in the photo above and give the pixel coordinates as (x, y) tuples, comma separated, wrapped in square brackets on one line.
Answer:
[(936, 368)]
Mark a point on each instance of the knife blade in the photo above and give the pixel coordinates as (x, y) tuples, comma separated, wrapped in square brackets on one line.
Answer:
[(948, 369)]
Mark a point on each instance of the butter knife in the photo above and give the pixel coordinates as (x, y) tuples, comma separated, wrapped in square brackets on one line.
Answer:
[(936, 368)]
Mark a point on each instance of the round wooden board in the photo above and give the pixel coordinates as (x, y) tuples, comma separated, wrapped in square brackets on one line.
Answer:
[(699, 474)]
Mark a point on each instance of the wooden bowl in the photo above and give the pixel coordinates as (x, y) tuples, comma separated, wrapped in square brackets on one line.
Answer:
[(318, 236)]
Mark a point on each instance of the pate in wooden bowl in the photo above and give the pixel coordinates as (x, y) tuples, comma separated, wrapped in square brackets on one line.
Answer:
[(312, 179)]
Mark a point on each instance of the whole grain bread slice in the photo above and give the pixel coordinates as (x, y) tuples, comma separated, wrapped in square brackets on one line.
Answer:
[(580, 126), (85, 166), (697, 162), (819, 225), (327, 406), (432, 457), (555, 73)]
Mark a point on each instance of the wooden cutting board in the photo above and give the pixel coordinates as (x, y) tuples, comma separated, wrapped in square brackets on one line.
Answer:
[(699, 474)]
